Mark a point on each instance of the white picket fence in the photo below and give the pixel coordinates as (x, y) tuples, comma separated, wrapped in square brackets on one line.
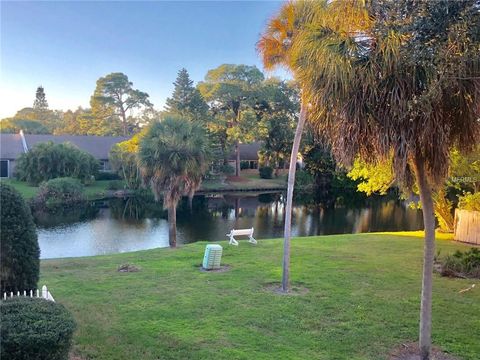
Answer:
[(44, 293)]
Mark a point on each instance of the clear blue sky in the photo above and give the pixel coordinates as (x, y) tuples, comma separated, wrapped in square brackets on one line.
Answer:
[(67, 46)]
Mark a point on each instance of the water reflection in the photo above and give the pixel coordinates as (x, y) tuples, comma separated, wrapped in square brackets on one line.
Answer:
[(121, 225)]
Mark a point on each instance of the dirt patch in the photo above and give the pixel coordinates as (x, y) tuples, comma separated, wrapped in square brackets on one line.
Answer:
[(72, 356), (411, 351), (295, 289), (128, 268), (223, 268), (236, 179), (439, 268)]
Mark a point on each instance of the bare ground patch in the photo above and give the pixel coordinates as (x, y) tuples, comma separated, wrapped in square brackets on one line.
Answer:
[(411, 351), (222, 268), (295, 289)]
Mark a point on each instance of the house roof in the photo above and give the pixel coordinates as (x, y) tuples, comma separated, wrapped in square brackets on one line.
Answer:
[(247, 152), (98, 146), (10, 146)]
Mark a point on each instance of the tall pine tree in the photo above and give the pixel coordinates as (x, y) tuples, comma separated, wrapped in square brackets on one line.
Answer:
[(40, 103), (186, 100)]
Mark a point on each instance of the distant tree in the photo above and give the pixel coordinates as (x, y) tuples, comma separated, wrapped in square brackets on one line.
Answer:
[(114, 97), (124, 160), (186, 100), (173, 156), (277, 106), (47, 161), (83, 122), (34, 120), (20, 253), (13, 126), (319, 163), (40, 103), (230, 90)]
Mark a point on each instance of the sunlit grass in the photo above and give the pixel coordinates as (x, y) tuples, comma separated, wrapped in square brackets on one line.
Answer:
[(363, 299)]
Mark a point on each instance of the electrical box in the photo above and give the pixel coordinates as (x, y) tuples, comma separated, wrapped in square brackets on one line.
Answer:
[(212, 257)]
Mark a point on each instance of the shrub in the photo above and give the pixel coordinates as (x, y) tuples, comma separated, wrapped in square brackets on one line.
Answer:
[(266, 172), (115, 185), (470, 202), (462, 264), (123, 159), (34, 328), (304, 180), (244, 165), (19, 257), (60, 191), (227, 169), (107, 175), (47, 161)]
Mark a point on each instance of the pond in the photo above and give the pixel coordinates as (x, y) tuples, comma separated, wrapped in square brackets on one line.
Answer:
[(137, 223)]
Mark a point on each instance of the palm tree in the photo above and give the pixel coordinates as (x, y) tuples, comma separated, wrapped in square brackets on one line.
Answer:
[(173, 157), (276, 47), (403, 78)]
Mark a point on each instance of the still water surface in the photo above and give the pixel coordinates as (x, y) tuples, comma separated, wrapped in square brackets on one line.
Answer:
[(122, 225)]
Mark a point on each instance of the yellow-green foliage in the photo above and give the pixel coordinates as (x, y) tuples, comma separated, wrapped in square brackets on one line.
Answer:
[(470, 202), (123, 157), (374, 177)]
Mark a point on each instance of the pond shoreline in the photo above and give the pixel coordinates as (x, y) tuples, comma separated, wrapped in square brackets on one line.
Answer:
[(98, 190)]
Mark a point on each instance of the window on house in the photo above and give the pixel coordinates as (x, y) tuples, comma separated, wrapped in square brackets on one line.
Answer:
[(4, 168)]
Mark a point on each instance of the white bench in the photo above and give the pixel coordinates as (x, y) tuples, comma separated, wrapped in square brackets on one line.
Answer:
[(241, 232)]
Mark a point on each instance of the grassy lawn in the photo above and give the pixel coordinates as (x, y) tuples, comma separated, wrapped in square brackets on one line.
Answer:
[(363, 300), (94, 191), (98, 189), (249, 181), (22, 187)]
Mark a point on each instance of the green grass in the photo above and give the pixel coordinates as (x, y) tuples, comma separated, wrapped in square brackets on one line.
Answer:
[(97, 190), (252, 181), (94, 191), (363, 300), (22, 187)]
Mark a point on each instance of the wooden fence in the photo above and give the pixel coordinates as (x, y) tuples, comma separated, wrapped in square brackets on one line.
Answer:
[(44, 293), (467, 226)]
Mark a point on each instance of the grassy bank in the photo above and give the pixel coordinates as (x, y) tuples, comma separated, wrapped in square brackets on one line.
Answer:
[(97, 190), (247, 181), (363, 299)]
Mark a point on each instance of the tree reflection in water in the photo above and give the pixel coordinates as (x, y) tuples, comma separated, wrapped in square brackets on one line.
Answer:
[(138, 222)]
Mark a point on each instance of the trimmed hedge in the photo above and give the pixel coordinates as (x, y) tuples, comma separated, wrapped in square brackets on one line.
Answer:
[(19, 250), (35, 328), (266, 172)]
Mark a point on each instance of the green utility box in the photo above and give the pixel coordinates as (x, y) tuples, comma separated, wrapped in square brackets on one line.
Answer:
[(212, 257)]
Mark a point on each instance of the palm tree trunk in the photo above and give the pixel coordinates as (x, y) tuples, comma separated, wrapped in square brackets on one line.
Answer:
[(172, 225), (237, 161), (190, 202), (425, 338), (288, 210)]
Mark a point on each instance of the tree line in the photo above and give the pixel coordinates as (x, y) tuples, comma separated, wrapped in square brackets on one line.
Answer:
[(234, 103)]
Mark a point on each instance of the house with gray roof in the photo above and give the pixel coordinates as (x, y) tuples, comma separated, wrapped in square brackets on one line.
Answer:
[(248, 154), (13, 145)]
